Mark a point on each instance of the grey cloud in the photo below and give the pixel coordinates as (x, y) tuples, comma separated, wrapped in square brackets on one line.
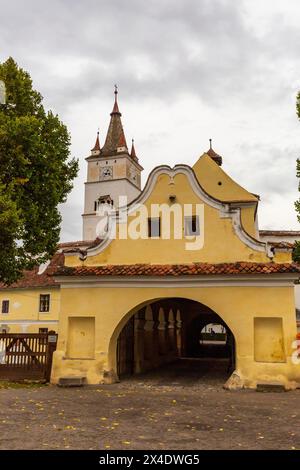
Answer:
[(203, 48), (274, 175), (159, 52), (71, 225)]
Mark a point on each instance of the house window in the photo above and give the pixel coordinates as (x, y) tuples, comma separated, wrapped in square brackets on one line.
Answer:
[(44, 302), (43, 330), (191, 226), (154, 227), (5, 307)]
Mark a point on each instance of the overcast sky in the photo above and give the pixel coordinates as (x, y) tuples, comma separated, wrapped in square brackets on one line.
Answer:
[(187, 70)]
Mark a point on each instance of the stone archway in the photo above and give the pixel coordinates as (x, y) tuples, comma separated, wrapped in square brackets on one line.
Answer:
[(158, 332), (111, 305)]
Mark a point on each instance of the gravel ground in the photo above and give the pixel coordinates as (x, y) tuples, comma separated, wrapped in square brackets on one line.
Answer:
[(182, 406)]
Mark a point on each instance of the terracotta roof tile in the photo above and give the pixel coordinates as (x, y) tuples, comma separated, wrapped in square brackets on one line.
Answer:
[(280, 233), (32, 278), (180, 269), (79, 243), (97, 144), (285, 245)]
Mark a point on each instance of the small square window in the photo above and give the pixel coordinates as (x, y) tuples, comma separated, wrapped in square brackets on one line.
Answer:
[(191, 226), (43, 330), (44, 302), (154, 227), (5, 307)]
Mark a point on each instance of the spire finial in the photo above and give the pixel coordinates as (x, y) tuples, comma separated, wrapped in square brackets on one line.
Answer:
[(116, 107), (97, 147), (132, 153), (210, 143)]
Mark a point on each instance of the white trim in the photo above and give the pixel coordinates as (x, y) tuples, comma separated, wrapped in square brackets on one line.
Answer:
[(228, 210), (235, 215), (277, 280), (43, 267)]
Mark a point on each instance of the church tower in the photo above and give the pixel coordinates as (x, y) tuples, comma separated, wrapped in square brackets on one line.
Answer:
[(112, 172)]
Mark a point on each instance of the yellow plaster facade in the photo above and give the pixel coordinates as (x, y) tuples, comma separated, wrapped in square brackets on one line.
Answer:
[(259, 308), (24, 315), (131, 302)]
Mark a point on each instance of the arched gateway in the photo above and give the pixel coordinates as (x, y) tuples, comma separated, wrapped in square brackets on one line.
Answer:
[(162, 331), (145, 295)]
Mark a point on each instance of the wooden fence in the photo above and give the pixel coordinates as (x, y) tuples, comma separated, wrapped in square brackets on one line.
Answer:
[(26, 356)]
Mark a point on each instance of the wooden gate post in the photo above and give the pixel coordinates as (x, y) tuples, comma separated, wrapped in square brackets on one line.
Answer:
[(51, 347)]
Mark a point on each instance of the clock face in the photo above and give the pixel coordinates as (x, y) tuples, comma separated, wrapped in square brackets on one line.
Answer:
[(106, 172)]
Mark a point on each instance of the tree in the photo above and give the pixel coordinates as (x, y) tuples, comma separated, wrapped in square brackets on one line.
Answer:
[(36, 175)]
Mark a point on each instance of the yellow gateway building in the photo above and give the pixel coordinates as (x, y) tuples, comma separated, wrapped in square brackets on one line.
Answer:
[(176, 270)]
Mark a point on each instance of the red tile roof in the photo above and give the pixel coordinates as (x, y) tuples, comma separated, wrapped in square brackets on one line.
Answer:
[(76, 247), (76, 244), (179, 269), (284, 245), (34, 279), (280, 233), (97, 144)]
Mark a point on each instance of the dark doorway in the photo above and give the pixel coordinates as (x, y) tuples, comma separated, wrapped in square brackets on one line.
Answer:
[(170, 330), (207, 336), (125, 350)]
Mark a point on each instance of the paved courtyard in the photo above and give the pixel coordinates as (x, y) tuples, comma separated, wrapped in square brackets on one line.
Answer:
[(182, 406)]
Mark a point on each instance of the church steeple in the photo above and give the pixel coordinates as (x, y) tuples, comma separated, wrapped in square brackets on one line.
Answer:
[(133, 153), (97, 149), (112, 173), (115, 141)]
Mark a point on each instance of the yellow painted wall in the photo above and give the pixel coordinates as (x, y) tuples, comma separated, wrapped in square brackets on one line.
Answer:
[(221, 243), (210, 174), (269, 331), (237, 306), (24, 306), (81, 337), (218, 184)]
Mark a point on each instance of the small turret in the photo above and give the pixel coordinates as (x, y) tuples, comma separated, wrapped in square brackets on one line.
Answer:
[(217, 158)]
